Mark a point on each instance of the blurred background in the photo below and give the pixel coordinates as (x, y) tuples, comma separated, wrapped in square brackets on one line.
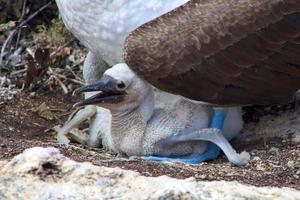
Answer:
[(37, 52), (40, 66)]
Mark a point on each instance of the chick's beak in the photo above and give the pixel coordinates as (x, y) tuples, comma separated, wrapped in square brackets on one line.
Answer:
[(108, 92)]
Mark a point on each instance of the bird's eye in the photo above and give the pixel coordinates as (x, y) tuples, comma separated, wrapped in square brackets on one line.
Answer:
[(121, 86)]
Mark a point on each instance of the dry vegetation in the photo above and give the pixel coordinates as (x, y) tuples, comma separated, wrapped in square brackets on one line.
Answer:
[(35, 49)]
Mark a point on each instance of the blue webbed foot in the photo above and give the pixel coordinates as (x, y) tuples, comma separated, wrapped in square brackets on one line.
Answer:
[(218, 118), (212, 151)]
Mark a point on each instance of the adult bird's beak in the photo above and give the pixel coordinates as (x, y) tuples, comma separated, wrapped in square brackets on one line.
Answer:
[(109, 92)]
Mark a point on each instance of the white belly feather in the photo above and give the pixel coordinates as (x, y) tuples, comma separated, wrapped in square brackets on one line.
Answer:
[(102, 25)]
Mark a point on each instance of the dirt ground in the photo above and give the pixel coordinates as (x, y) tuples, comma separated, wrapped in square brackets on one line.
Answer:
[(274, 162)]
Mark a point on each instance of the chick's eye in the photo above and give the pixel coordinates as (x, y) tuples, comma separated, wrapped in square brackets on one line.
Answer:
[(121, 86)]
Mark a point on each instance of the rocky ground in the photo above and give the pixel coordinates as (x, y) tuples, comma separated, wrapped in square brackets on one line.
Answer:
[(41, 173), (39, 68)]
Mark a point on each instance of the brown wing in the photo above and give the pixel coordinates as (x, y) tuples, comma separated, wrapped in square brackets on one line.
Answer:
[(227, 52)]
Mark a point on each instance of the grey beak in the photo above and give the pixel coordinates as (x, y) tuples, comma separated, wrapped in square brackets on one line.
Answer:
[(108, 92)]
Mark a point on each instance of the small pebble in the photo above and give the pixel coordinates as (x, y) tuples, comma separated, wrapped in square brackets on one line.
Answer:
[(260, 167), (103, 181), (291, 164), (32, 94), (296, 139), (274, 150), (256, 158)]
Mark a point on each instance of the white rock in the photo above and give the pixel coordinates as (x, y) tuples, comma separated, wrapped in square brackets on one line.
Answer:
[(43, 173)]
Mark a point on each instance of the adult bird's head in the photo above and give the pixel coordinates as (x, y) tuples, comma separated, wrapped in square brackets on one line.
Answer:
[(119, 88)]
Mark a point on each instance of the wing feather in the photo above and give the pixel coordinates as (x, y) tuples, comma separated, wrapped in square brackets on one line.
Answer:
[(225, 52)]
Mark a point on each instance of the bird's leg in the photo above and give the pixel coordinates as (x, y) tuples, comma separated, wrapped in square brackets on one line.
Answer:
[(212, 151), (217, 122), (79, 117), (213, 135), (93, 68)]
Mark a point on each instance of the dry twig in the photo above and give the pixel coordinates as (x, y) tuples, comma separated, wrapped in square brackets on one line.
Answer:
[(12, 34)]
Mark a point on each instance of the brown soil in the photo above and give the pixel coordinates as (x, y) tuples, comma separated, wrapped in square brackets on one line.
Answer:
[(274, 163)]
